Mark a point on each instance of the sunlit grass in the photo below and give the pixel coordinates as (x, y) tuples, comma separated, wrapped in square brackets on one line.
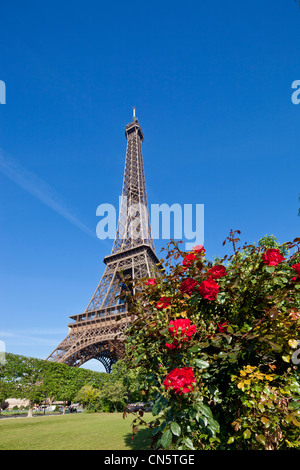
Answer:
[(81, 431)]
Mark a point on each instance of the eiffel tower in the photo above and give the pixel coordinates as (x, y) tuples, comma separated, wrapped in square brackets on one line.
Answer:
[(99, 332)]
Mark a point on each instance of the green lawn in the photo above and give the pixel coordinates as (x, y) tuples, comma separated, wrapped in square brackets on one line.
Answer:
[(84, 431)]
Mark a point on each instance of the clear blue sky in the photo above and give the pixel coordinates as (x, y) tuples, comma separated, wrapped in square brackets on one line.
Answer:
[(211, 82)]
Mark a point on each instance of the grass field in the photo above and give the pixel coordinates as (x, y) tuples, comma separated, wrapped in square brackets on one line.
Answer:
[(82, 431)]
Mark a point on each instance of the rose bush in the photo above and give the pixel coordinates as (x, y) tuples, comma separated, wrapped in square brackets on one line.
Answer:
[(218, 346)]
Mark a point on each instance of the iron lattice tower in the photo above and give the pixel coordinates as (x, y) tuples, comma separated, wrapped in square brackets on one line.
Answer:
[(99, 332)]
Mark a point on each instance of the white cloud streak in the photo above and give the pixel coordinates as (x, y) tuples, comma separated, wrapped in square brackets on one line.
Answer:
[(38, 188), (32, 337)]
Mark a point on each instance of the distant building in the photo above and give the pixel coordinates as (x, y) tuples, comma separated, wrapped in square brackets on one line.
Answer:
[(19, 402)]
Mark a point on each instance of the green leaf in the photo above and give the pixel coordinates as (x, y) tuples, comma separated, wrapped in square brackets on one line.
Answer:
[(295, 387), (139, 358), (230, 440), (265, 421), (166, 439), (203, 344), (201, 420), (162, 332), (222, 354), (260, 438), (201, 364), (270, 269), (247, 434), (188, 442), (205, 410), (160, 403), (274, 346), (156, 408), (175, 428), (213, 426), (296, 422)]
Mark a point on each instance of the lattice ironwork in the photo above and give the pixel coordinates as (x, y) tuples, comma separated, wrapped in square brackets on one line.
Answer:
[(99, 332)]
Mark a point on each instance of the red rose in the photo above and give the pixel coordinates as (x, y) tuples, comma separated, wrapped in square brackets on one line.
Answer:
[(199, 249), (180, 380), (188, 260), (217, 271), (182, 327), (294, 315), (188, 286), (222, 327), (173, 345), (272, 257), (151, 282), (164, 302), (209, 289), (296, 268)]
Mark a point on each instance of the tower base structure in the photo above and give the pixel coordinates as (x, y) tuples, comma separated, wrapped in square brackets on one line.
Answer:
[(100, 333)]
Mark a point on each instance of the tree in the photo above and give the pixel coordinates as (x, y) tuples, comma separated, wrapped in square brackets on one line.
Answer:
[(23, 378), (59, 382), (88, 396), (36, 379), (132, 380), (219, 342), (114, 395), (5, 387)]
